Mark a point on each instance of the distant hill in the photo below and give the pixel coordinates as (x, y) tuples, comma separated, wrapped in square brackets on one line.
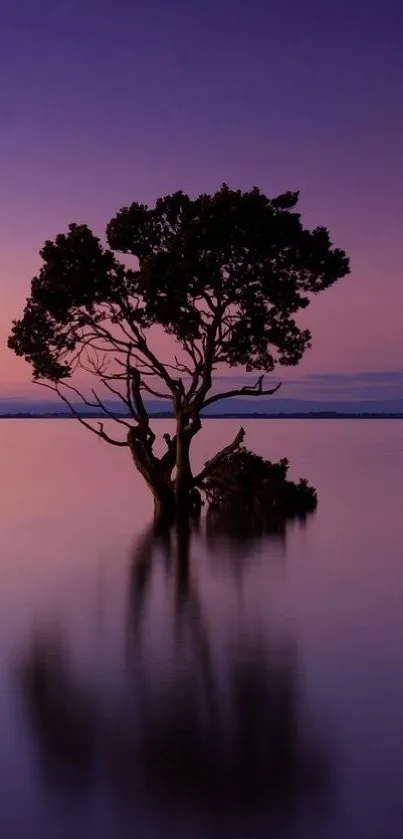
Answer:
[(237, 407), (300, 406)]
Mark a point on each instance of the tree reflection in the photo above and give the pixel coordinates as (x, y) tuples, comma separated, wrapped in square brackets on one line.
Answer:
[(211, 735), (61, 712), (246, 751), (242, 533)]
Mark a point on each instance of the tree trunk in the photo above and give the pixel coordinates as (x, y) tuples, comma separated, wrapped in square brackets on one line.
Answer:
[(177, 498), (156, 478), (183, 478)]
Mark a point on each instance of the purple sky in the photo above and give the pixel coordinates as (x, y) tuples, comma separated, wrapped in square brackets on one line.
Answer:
[(107, 102)]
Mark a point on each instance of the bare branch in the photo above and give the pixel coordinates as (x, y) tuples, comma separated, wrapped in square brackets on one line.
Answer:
[(117, 393), (142, 414), (97, 404), (129, 392), (183, 368), (195, 380), (75, 390), (168, 460), (145, 368), (210, 304), (109, 413), (209, 346), (156, 393), (193, 351), (211, 464), (102, 331), (253, 390), (101, 433), (142, 346)]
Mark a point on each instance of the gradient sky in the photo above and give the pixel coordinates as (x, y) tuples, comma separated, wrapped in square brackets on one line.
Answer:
[(108, 101)]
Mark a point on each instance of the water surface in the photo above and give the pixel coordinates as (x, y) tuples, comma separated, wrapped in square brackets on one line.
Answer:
[(202, 684)]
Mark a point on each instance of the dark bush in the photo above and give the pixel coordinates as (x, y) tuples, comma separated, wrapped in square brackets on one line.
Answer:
[(245, 483)]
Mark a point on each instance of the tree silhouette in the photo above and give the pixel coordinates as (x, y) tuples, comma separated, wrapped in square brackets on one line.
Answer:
[(224, 275)]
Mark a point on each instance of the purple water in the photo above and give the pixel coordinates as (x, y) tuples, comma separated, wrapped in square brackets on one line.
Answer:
[(205, 685)]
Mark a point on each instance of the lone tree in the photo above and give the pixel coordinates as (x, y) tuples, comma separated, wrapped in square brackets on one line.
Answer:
[(223, 275)]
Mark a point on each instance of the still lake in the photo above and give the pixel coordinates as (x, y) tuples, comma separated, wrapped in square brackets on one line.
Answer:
[(203, 686)]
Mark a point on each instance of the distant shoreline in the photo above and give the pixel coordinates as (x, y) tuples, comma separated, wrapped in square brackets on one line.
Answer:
[(304, 415)]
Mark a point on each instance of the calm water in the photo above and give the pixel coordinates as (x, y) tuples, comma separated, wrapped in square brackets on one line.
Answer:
[(202, 685)]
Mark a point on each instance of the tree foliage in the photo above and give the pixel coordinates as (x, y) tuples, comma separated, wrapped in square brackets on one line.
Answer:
[(225, 275)]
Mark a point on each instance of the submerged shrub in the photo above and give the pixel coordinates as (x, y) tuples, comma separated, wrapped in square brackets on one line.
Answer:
[(243, 482)]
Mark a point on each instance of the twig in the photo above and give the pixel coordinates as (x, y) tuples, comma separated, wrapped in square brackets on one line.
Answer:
[(211, 464), (101, 433), (252, 390)]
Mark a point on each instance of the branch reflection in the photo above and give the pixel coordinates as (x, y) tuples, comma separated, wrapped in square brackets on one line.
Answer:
[(210, 730)]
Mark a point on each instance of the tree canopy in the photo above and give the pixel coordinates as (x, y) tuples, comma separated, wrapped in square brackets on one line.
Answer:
[(223, 274)]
